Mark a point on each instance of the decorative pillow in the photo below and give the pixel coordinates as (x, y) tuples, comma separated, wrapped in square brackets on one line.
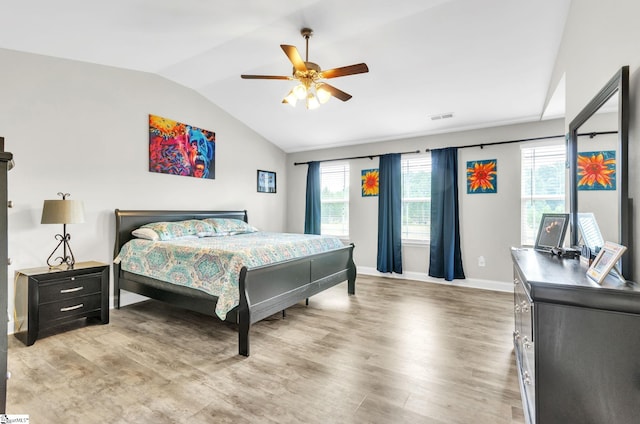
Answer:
[(146, 233), (230, 226), (199, 227), (178, 229)]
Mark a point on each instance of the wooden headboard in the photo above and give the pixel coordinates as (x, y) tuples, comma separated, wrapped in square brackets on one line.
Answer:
[(129, 220)]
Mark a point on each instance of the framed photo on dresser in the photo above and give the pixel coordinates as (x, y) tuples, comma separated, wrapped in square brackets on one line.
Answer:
[(553, 227), (606, 260)]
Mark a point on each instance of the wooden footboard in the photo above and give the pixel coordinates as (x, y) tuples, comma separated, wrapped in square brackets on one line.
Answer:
[(267, 290), (264, 290)]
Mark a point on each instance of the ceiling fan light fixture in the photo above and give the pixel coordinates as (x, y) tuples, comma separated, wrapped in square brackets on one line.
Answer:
[(323, 94), (312, 102), (300, 91), (291, 99)]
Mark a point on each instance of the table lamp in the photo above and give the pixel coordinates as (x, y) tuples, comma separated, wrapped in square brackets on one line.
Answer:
[(62, 212)]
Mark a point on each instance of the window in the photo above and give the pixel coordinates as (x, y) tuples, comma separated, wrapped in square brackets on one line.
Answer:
[(334, 199), (542, 190), (416, 198)]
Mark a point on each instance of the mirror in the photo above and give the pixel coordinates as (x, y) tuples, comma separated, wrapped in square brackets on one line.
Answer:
[(597, 169), (598, 139)]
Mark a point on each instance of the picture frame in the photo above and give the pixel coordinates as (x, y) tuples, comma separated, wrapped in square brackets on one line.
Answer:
[(551, 232), (370, 182), (266, 181), (606, 260), (482, 176), (182, 149), (590, 231)]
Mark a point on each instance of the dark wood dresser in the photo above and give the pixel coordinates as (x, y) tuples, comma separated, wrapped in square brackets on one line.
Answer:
[(6, 163), (47, 298), (577, 343)]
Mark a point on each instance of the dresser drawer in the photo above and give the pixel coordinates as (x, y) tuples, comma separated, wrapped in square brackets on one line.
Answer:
[(523, 310), (50, 314), (70, 287), (528, 385)]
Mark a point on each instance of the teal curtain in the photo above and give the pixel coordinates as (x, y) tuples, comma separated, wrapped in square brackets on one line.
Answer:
[(390, 215), (312, 213), (445, 259)]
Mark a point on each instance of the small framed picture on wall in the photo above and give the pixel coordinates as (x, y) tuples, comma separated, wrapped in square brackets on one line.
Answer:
[(266, 181)]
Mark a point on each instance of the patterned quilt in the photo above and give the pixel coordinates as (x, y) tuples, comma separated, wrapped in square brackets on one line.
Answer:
[(213, 264)]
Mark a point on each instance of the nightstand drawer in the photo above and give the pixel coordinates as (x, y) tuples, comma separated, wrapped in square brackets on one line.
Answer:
[(71, 287), (52, 313)]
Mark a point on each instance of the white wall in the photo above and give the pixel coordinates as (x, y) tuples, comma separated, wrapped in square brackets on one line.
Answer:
[(83, 129), (599, 38), (489, 223)]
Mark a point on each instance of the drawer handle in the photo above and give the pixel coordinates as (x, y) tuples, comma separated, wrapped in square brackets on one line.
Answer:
[(527, 378), (73, 290), (72, 308)]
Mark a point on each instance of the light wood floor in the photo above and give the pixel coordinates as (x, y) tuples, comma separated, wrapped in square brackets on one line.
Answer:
[(397, 352)]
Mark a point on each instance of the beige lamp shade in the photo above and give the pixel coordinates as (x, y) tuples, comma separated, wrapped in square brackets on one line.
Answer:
[(62, 212)]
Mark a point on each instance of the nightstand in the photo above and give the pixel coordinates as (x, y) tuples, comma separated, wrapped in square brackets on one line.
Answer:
[(46, 298)]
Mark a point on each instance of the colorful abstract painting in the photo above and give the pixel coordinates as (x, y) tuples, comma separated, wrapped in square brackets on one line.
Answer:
[(482, 176), (597, 170), (181, 149), (370, 182)]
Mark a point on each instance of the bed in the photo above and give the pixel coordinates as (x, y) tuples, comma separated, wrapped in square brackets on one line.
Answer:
[(263, 290)]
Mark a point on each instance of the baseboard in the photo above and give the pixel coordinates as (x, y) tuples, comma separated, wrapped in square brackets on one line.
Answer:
[(419, 276)]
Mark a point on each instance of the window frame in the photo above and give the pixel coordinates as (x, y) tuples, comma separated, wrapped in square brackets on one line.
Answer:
[(528, 231), (325, 168), (406, 166)]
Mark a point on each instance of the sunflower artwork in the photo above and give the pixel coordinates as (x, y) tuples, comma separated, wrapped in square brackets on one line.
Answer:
[(370, 182), (482, 176), (597, 170)]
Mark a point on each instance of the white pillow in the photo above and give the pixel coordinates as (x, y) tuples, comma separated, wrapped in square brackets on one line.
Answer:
[(146, 234)]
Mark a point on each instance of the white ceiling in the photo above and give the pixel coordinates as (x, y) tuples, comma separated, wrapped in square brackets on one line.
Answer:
[(488, 62)]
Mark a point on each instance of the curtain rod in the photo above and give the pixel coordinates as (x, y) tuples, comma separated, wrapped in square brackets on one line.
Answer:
[(482, 145), (354, 157)]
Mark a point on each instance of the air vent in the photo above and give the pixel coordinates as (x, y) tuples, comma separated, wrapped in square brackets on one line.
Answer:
[(441, 116)]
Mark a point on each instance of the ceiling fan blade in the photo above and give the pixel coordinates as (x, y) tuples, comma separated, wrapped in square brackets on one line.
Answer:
[(337, 93), (360, 68), (294, 57), (276, 77)]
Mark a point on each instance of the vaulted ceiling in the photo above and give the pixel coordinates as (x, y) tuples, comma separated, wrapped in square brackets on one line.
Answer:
[(485, 62)]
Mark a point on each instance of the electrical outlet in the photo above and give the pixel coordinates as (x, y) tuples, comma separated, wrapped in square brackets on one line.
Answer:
[(481, 261)]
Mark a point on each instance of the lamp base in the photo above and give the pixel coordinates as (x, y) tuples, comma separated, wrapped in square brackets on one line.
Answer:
[(63, 240)]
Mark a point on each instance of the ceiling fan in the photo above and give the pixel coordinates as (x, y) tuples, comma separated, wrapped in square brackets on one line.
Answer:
[(311, 87)]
